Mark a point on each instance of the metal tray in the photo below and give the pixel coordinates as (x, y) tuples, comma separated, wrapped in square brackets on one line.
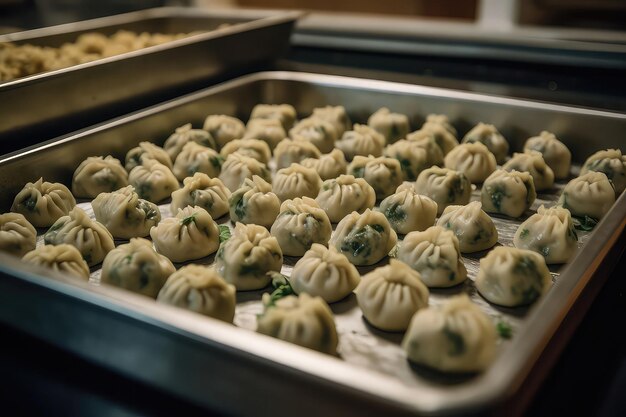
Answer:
[(240, 372), (49, 104)]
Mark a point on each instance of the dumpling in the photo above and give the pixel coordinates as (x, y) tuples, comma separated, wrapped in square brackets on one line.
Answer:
[(252, 148), (591, 195), (489, 136), (238, 167), (254, 202), (324, 272), (270, 131), (284, 113), (209, 193), (304, 320), (17, 235), (97, 175), (549, 232), (224, 128), (42, 203), (137, 267), (455, 336), (200, 289), (472, 159), (197, 158), (390, 295), (290, 151), (329, 166), (362, 140), (364, 238), (191, 234), (554, 152), (444, 186), (533, 163), (471, 225), (513, 277), (296, 181), (300, 224), (413, 158), (442, 120), (90, 237), (443, 137), (146, 150), (245, 259), (153, 181), (407, 210), (393, 126), (434, 154), (508, 193), (382, 173), (612, 163), (316, 131), (345, 194), (336, 115), (185, 134), (436, 255), (62, 258), (124, 214)]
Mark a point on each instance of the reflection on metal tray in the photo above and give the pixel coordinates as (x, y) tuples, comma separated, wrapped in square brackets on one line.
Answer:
[(58, 99), (238, 371)]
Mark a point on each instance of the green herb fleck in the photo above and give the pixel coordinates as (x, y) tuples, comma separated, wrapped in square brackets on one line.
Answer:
[(358, 172), (524, 233), (497, 195), (30, 203), (217, 161), (224, 233), (189, 219), (149, 210), (457, 344), (282, 288), (504, 329), (395, 214), (584, 223)]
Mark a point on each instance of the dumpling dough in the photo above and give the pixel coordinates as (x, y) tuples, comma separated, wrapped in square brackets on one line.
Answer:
[(444, 186), (296, 181), (364, 238), (382, 173), (17, 235), (62, 258), (200, 289), (270, 131), (612, 163), (42, 203), (185, 134), (153, 181), (533, 163), (407, 210), (362, 140), (238, 167), (455, 336), (252, 148), (513, 277), (329, 166), (124, 214), (197, 158), (549, 232), (209, 193), (508, 193), (341, 196), (443, 137), (284, 113), (412, 157), (393, 126), (435, 254), (245, 259), (300, 224), (554, 152), (472, 159), (192, 234), (304, 320), (336, 115), (390, 295), (471, 225), (489, 136), (442, 120), (290, 151), (316, 131), (254, 202), (224, 128), (324, 272), (97, 175), (137, 267), (92, 239), (591, 194), (146, 150)]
